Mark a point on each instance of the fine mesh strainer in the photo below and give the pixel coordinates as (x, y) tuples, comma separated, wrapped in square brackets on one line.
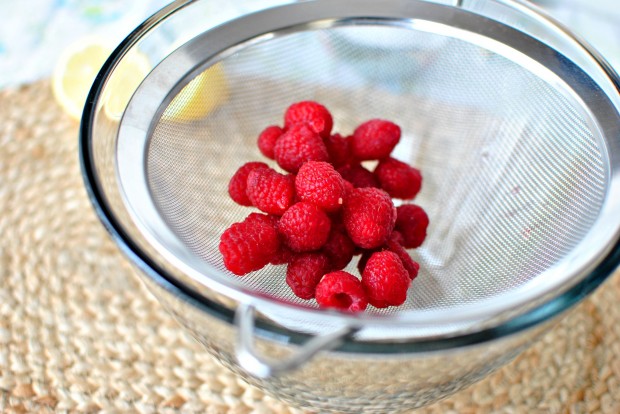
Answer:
[(513, 122)]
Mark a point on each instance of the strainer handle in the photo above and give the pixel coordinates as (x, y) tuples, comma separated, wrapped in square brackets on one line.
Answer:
[(262, 367)]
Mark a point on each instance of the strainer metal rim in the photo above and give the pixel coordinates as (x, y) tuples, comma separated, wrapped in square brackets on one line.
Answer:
[(161, 277), (163, 83)]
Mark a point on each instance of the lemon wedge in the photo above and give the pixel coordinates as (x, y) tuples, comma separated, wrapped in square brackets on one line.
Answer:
[(79, 64), (200, 97), (75, 72), (124, 81), (77, 68)]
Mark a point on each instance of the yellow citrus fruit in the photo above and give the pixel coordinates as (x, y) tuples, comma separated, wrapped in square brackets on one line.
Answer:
[(80, 62), (131, 71), (75, 72), (77, 68), (201, 96)]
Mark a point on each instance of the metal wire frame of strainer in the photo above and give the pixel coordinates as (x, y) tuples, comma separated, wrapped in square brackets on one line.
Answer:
[(517, 143)]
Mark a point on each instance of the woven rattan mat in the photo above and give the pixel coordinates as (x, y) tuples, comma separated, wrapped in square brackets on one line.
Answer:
[(78, 332)]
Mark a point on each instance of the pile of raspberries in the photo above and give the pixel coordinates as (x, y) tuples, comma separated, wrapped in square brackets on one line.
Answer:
[(328, 208)]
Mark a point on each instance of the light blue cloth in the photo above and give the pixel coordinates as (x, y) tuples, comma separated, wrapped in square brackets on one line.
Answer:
[(34, 33)]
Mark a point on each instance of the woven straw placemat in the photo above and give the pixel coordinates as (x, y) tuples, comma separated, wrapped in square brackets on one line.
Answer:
[(79, 333)]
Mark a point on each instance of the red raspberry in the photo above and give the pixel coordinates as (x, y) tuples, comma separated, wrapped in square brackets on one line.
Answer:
[(338, 149), (249, 245), (341, 290), (263, 219), (361, 264), (312, 113), (348, 187), (411, 266), (385, 280), (359, 176), (397, 235), (304, 227), (284, 255), (267, 140), (270, 191), (374, 139), (304, 272), (369, 216), (317, 182), (298, 145), (238, 183), (412, 222), (339, 248), (399, 179), (393, 245)]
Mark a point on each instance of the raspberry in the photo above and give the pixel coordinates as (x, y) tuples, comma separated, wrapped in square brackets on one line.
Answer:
[(312, 113), (412, 222), (393, 245), (348, 187), (361, 264), (341, 290), (267, 140), (317, 182), (238, 183), (412, 267), (339, 248), (375, 139), (385, 280), (397, 235), (249, 245), (304, 227), (369, 216), (359, 176), (270, 191), (304, 272), (284, 255), (338, 149), (398, 179), (298, 145), (263, 219)]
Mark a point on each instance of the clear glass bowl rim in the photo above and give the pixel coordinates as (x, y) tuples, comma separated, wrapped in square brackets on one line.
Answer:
[(545, 312)]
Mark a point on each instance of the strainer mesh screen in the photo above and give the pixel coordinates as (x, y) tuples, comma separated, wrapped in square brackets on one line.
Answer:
[(513, 174)]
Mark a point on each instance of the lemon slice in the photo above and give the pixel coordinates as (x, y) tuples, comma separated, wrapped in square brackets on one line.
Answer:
[(131, 71), (201, 96), (75, 72), (80, 62)]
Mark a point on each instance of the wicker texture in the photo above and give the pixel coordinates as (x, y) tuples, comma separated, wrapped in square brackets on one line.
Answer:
[(79, 333)]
